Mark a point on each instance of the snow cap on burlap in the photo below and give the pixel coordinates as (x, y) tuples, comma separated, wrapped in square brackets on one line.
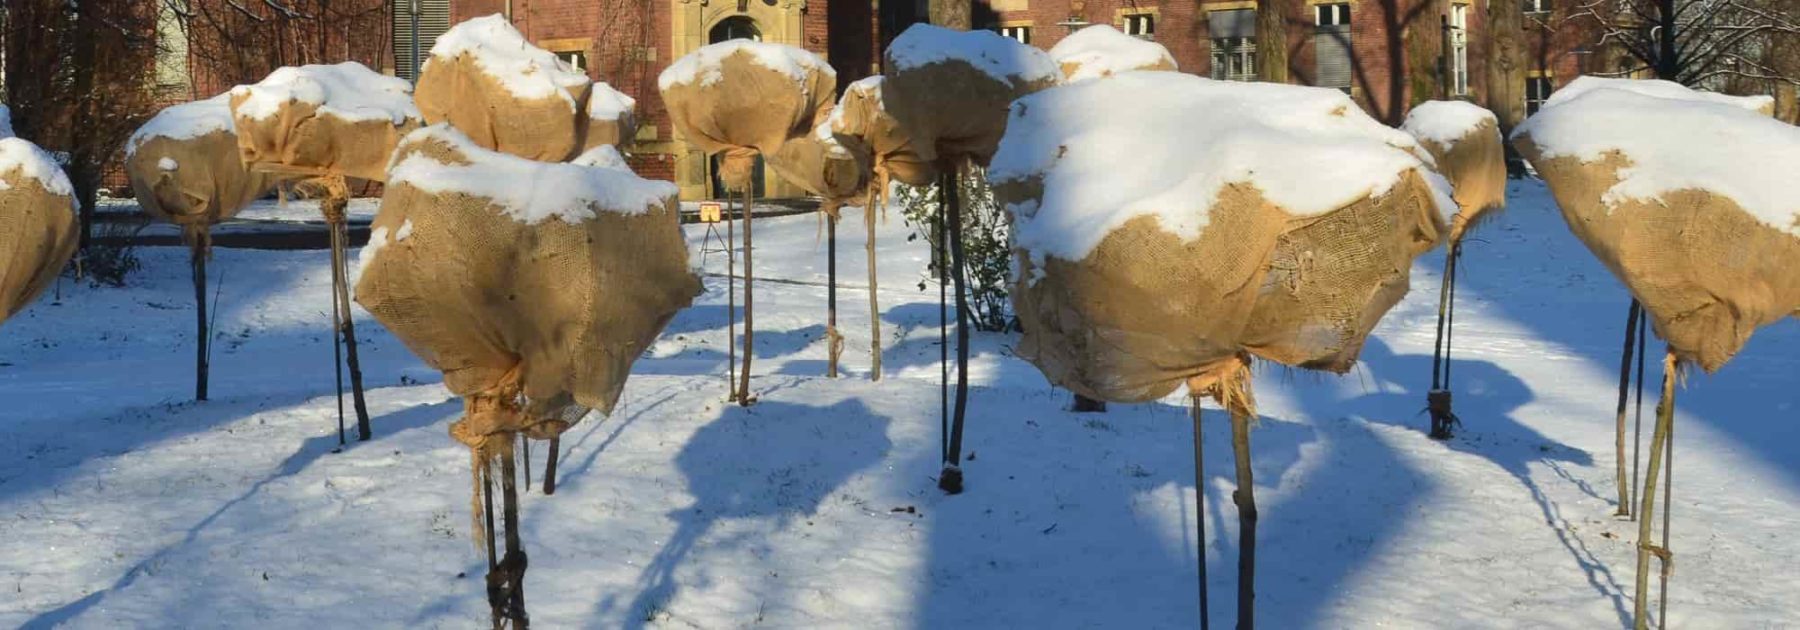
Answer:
[(1101, 50)]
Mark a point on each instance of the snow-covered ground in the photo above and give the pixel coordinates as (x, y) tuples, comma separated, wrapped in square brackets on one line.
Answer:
[(123, 504)]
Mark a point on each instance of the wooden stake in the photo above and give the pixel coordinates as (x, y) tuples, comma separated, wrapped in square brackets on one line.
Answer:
[(730, 303), (874, 300), (834, 343), (1200, 506), (743, 397), (337, 196)]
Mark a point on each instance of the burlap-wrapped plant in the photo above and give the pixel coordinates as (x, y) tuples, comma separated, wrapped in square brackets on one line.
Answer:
[(1687, 197), (1156, 248), (611, 118), (341, 119), (861, 123), (37, 208), (949, 90), (507, 95), (740, 98), (1464, 141), (185, 166), (818, 163), (524, 279), (1101, 51)]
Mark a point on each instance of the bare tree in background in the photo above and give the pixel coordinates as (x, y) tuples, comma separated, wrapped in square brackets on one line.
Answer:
[(230, 42), (1699, 42), (79, 80)]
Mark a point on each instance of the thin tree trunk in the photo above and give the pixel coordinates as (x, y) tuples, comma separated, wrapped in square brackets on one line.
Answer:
[(1665, 420), (874, 299), (834, 342), (336, 199), (197, 256), (1245, 498), (1631, 323), (730, 303), (744, 398), (1506, 73)]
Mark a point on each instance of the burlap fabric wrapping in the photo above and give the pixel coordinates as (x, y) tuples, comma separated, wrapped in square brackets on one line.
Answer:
[(185, 167), (949, 90), (862, 124), (1465, 142), (611, 118), (507, 95), (1100, 51), (822, 166), (341, 119), (740, 98), (1120, 300), (1672, 190), (37, 208), (544, 294)]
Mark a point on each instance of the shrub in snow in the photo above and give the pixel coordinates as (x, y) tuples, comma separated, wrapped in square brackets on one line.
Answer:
[(1101, 51), (184, 166), (1688, 197), (341, 119), (37, 206), (741, 98), (1164, 224), (985, 245), (485, 79), (949, 90), (1464, 141), (506, 274)]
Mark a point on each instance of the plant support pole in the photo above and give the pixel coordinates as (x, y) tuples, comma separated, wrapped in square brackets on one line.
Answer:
[(197, 250), (1665, 420), (1200, 507), (337, 197), (743, 397), (951, 481), (1245, 497), (730, 303), (834, 342), (874, 300)]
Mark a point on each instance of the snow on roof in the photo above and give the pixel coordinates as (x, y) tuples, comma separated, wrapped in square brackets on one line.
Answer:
[(1110, 151), (1005, 59), (1446, 122), (527, 191), (6, 130), (1102, 50), (1655, 87), (348, 90), (526, 71), (1678, 143), (606, 103), (603, 156), (703, 65), (31, 161), (184, 121)]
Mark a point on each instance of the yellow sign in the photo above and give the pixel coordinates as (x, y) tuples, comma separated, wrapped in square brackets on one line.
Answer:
[(710, 212)]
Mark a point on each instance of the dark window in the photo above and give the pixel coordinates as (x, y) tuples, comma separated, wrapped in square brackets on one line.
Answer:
[(1233, 36), (1332, 53), (1142, 25), (1537, 90)]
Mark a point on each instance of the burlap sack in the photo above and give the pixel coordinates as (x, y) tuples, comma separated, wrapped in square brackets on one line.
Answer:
[(40, 228), (1706, 270), (208, 184), (723, 99), (952, 108), (458, 90), (823, 167), (1476, 168), (1146, 311), (611, 118), (308, 138), (861, 123), (557, 309)]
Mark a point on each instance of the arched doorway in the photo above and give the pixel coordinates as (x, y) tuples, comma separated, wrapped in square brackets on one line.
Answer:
[(735, 27)]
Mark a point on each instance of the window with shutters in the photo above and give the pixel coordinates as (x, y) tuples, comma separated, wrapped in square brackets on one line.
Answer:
[(1022, 34), (1332, 51), (1459, 49), (1537, 90), (1141, 25), (1233, 36), (417, 25)]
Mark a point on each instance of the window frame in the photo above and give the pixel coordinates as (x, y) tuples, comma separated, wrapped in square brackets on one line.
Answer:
[(1340, 9), (1459, 49), (1017, 32), (1539, 6), (1128, 21), (1548, 86)]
